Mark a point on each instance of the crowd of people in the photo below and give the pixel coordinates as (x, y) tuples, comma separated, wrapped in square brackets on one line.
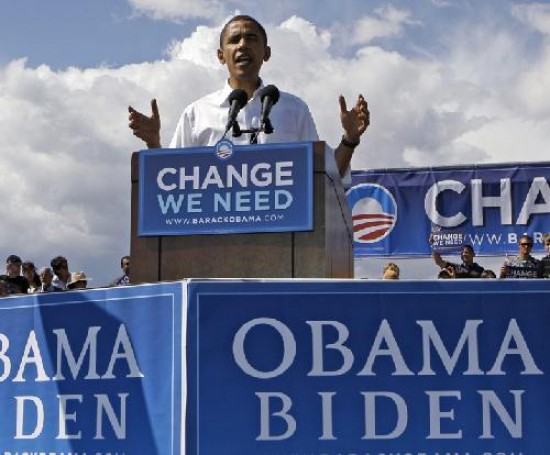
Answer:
[(522, 265), (22, 277)]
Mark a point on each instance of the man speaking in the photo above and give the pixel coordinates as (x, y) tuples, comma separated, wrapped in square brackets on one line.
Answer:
[(244, 49)]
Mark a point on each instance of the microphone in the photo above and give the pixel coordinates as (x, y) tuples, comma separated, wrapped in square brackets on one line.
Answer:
[(237, 100), (269, 96)]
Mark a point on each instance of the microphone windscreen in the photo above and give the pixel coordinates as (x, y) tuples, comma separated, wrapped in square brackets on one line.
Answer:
[(271, 91), (238, 95)]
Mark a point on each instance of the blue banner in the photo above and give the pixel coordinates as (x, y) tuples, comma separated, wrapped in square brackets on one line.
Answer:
[(396, 211), (370, 368), (92, 372), (226, 189)]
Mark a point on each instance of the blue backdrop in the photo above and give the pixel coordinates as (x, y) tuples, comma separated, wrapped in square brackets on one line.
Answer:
[(396, 210)]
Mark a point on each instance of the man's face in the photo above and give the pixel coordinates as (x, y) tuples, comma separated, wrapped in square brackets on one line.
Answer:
[(547, 246), (525, 246), (29, 274), (63, 271), (126, 266), (13, 269), (391, 274), (46, 276), (243, 50), (467, 255)]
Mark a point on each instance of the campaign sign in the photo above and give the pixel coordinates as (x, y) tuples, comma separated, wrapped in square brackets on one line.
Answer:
[(394, 211), (448, 240), (369, 368), (226, 189), (92, 372)]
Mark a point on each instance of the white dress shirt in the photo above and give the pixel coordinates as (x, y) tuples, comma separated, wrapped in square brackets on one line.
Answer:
[(203, 121)]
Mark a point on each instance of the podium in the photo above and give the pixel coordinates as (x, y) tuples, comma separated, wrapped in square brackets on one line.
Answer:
[(325, 252)]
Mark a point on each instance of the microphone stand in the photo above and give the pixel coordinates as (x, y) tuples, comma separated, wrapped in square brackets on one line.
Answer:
[(267, 128)]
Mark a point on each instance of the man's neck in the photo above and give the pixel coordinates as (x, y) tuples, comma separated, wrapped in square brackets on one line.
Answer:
[(248, 85)]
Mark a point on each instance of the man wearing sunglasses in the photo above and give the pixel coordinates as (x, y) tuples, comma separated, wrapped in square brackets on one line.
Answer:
[(523, 265)]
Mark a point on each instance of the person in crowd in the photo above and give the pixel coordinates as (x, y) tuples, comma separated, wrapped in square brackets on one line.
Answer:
[(447, 273), (523, 265), (243, 49), (17, 284), (46, 276), (487, 273), (467, 269), (29, 272), (60, 268), (123, 280), (545, 261), (390, 271), (4, 288), (78, 280)]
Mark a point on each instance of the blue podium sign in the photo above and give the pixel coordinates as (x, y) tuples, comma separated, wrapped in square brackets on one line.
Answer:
[(369, 368), (92, 372), (226, 189)]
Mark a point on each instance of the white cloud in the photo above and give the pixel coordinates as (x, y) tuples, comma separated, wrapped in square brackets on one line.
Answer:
[(536, 15), (387, 21), (198, 48), (441, 3), (179, 9)]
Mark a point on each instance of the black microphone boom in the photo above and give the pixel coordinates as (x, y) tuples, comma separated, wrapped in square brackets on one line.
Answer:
[(269, 96), (237, 100)]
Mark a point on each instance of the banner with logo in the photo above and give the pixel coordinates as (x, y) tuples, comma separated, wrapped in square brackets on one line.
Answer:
[(370, 368), (410, 211), (226, 189), (92, 372)]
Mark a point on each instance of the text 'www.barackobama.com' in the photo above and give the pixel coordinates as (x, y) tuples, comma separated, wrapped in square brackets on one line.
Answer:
[(267, 218)]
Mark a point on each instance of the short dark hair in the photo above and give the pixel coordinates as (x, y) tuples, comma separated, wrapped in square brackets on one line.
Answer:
[(487, 273), (526, 237), (242, 17), (57, 262), (13, 259), (28, 265), (122, 259), (469, 247)]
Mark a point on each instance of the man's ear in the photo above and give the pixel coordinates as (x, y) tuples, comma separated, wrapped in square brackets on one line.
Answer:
[(267, 53), (221, 58)]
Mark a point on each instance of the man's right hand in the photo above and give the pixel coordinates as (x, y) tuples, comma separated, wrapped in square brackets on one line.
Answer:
[(146, 128)]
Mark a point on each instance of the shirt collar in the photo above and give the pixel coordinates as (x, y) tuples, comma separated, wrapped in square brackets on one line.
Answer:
[(226, 91)]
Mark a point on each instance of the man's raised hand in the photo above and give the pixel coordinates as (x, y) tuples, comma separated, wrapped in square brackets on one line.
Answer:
[(355, 121), (146, 128)]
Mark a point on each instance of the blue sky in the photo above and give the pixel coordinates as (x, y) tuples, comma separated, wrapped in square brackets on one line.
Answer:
[(447, 82)]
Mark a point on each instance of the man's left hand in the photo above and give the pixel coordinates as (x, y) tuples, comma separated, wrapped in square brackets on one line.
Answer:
[(355, 121)]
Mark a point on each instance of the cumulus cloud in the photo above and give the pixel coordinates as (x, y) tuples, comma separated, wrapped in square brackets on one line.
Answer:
[(66, 146), (386, 22), (536, 15), (179, 9)]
